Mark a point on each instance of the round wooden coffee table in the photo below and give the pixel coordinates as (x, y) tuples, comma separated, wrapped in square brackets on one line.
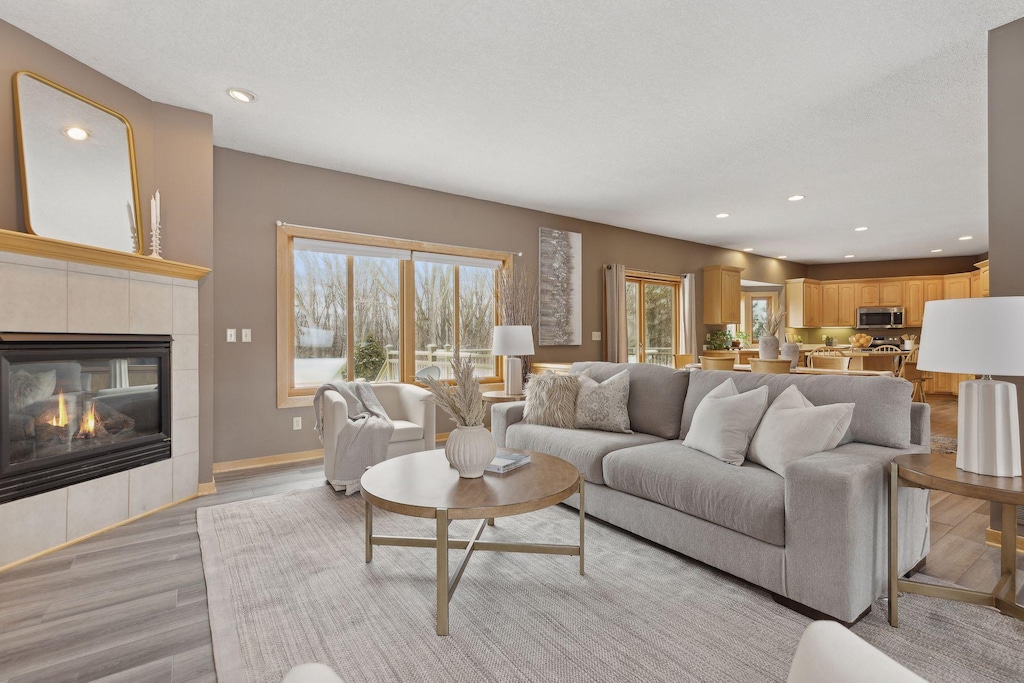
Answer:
[(425, 485)]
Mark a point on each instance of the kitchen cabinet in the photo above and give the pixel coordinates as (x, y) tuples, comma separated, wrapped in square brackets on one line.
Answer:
[(976, 285), (803, 303), (890, 292), (830, 304), (721, 295), (957, 286), (847, 304), (868, 294), (916, 294), (982, 277)]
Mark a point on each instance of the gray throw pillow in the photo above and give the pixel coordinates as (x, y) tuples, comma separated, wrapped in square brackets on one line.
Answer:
[(603, 405), (551, 400), (726, 420), (794, 428)]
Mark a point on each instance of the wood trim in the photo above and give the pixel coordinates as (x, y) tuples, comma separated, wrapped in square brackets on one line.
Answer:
[(95, 533), (207, 488), (994, 538), (285, 324), (266, 461), (292, 230), (47, 247)]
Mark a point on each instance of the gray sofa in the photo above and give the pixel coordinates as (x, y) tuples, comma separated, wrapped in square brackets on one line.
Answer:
[(816, 539)]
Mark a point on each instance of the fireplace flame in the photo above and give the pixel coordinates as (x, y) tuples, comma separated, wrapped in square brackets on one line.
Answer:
[(87, 428), (61, 418)]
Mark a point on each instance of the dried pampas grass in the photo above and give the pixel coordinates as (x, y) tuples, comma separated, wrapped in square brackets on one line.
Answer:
[(462, 401)]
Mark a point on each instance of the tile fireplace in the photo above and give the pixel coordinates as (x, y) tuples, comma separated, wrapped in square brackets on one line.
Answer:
[(78, 407)]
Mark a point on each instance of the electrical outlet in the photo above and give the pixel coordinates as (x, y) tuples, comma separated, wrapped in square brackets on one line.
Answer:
[(595, 336), (231, 335), (296, 423), (246, 335)]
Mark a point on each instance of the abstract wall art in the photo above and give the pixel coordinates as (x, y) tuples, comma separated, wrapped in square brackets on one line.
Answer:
[(561, 288)]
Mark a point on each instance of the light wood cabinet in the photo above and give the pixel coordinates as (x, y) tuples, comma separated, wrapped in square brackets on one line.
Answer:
[(976, 285), (868, 294), (830, 304), (803, 303), (721, 295), (957, 286), (847, 304), (890, 292), (916, 294), (982, 277)]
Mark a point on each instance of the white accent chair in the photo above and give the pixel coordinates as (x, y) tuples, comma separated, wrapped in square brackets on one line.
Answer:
[(409, 409), (831, 652)]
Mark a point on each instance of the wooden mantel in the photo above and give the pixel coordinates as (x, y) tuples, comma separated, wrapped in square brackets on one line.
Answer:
[(34, 245)]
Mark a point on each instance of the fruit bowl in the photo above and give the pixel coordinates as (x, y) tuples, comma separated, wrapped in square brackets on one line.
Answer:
[(861, 341)]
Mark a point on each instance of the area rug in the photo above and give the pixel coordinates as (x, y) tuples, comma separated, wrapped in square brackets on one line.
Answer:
[(287, 583), (943, 444)]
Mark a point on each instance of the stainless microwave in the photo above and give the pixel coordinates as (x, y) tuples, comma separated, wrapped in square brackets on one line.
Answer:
[(880, 318)]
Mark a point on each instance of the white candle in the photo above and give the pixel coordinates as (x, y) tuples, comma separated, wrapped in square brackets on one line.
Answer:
[(152, 213), (158, 207)]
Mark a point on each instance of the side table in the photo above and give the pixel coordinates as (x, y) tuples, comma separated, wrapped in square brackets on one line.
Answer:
[(501, 397), (938, 472)]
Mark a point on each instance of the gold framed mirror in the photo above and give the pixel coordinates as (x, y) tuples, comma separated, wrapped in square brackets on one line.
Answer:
[(78, 175)]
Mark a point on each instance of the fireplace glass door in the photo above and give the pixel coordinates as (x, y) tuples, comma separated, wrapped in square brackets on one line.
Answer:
[(82, 407)]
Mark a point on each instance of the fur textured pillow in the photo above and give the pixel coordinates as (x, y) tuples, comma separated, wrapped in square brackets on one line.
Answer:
[(28, 388), (551, 400), (603, 405)]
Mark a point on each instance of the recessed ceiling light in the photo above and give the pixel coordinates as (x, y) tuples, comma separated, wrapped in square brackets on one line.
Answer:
[(861, 228), (849, 256), (76, 133), (782, 258), (936, 251), (749, 249), (241, 95), (721, 215), (796, 198), (966, 237)]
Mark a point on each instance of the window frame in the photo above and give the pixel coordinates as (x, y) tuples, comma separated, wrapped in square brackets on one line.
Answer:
[(290, 396), (747, 310), (641, 277)]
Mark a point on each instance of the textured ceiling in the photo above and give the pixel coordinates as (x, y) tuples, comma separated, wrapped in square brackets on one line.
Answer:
[(652, 115)]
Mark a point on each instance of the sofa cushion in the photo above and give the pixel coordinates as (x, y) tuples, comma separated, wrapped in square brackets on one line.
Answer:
[(748, 499), (584, 448), (551, 400), (406, 431), (725, 422), (881, 415), (794, 428), (656, 394), (69, 375), (602, 406)]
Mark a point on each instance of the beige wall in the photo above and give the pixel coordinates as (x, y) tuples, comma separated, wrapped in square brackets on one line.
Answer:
[(173, 152), (897, 268), (1006, 171), (251, 193)]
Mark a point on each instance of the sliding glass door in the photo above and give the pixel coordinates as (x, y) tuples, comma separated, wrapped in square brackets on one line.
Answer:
[(652, 318)]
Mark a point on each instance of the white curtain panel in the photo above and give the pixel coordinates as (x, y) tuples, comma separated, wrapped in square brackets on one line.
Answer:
[(615, 313)]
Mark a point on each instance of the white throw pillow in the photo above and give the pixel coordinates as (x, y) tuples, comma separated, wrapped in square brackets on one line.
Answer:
[(794, 428), (725, 421), (603, 406)]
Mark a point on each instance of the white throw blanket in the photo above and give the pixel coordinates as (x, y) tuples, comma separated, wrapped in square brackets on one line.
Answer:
[(364, 440)]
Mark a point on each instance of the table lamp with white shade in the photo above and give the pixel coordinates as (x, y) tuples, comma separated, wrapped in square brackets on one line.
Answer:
[(980, 337), (511, 341)]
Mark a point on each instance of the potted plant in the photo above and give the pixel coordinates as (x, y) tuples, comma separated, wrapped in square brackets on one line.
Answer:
[(719, 340), (470, 447), (768, 344)]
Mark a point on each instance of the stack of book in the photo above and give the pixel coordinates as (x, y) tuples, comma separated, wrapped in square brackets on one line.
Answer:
[(506, 461)]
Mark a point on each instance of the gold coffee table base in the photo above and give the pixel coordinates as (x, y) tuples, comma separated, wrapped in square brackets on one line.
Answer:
[(531, 490)]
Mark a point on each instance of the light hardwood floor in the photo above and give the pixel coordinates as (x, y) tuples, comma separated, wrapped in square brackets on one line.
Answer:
[(130, 604)]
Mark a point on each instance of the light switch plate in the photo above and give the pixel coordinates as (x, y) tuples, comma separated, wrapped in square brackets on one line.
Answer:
[(246, 335), (595, 336), (231, 335), (297, 423)]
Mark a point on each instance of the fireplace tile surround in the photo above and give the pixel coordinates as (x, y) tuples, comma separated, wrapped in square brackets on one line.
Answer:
[(50, 295)]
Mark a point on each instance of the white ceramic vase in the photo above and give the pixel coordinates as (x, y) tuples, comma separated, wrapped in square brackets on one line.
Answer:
[(768, 347), (470, 450), (791, 352)]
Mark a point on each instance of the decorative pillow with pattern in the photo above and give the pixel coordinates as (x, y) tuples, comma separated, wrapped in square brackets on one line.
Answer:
[(28, 388), (603, 405), (551, 400)]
